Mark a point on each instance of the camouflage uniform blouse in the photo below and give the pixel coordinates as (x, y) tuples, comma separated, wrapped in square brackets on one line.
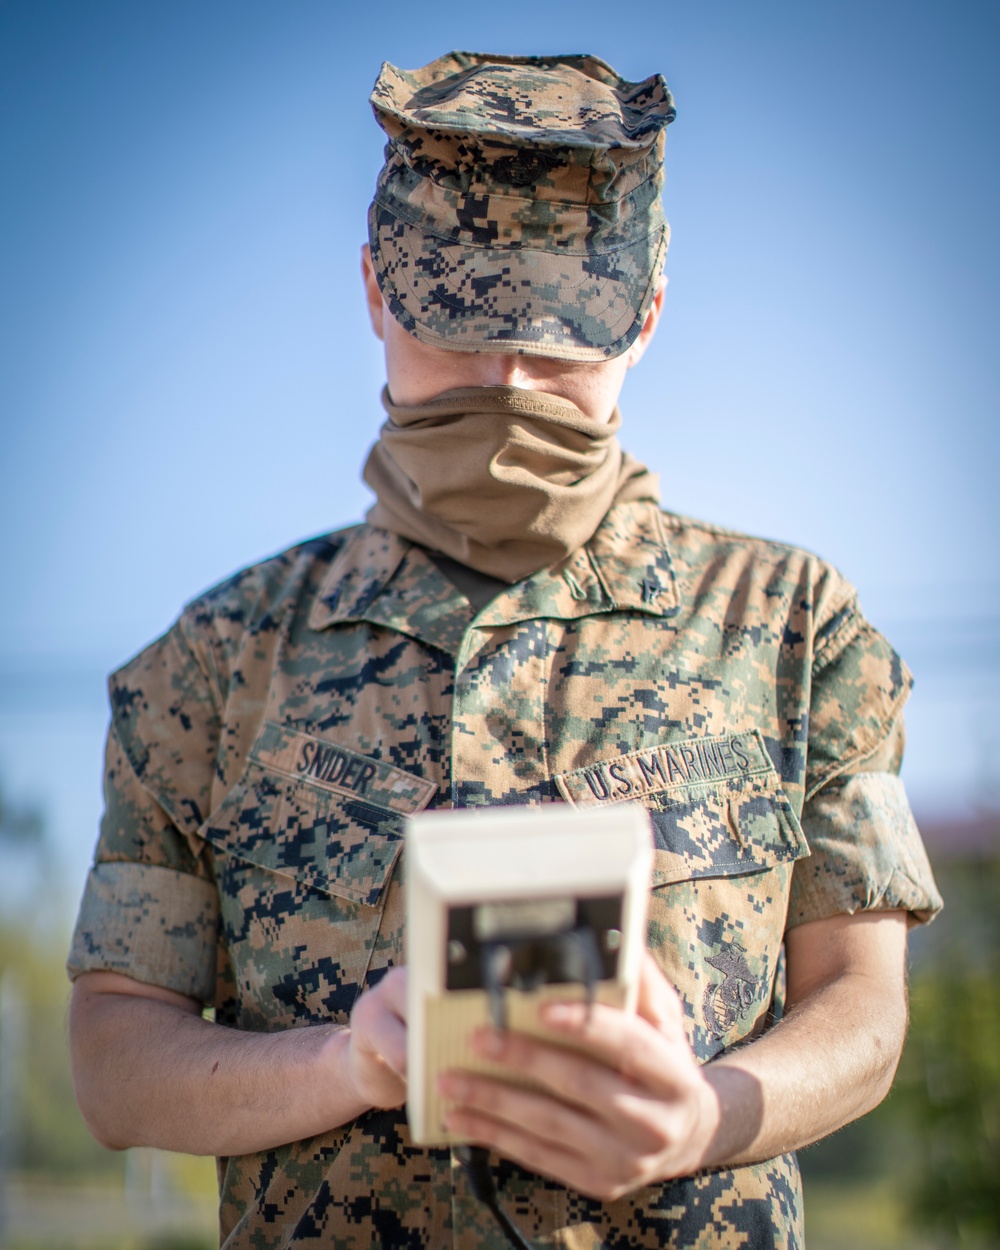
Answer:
[(263, 753)]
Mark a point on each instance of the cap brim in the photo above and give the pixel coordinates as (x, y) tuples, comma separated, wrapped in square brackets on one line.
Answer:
[(567, 305)]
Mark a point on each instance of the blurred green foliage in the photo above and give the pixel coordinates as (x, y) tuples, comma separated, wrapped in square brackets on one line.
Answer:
[(947, 1092), (60, 1190), (928, 1159), (50, 1135)]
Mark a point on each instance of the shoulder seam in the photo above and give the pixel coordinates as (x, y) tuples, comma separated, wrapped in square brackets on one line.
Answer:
[(334, 540), (676, 521)]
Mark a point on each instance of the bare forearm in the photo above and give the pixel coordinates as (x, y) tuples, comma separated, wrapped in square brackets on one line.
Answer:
[(149, 1071), (829, 1061)]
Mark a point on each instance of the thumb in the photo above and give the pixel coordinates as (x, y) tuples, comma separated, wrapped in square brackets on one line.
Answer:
[(659, 1002)]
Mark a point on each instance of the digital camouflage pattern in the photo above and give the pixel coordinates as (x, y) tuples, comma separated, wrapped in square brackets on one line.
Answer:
[(519, 203), (263, 753)]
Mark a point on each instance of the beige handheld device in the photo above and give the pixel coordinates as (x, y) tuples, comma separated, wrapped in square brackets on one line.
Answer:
[(508, 907)]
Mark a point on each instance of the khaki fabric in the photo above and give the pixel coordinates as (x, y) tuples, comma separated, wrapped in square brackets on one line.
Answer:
[(504, 480), (268, 747)]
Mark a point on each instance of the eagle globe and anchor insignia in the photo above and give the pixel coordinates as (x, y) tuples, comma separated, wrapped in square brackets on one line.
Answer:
[(728, 1001)]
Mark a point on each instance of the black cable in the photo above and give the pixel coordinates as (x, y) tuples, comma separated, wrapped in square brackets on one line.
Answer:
[(569, 956), (475, 1163)]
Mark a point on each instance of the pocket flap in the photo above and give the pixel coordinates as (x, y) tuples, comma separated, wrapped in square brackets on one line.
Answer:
[(724, 833), (311, 809)]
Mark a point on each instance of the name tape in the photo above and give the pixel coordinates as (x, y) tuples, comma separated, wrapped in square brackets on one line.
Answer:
[(671, 766), (341, 770)]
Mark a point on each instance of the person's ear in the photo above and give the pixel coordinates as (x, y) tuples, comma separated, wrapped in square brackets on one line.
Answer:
[(373, 296), (638, 348)]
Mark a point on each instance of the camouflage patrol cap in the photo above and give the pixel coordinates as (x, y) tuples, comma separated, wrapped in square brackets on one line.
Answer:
[(518, 208)]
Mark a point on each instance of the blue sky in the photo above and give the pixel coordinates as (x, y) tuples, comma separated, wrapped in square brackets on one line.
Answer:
[(189, 382)]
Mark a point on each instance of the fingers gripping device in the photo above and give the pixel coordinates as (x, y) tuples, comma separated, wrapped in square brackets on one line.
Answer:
[(508, 908)]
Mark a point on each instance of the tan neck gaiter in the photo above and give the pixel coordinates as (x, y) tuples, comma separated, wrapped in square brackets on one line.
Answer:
[(505, 480)]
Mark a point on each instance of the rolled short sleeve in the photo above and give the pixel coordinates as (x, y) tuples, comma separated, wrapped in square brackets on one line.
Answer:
[(859, 686), (866, 852), (153, 924), (150, 906)]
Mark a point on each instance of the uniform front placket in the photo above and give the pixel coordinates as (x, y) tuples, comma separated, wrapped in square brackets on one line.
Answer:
[(498, 755), (500, 736), (498, 716), (503, 673)]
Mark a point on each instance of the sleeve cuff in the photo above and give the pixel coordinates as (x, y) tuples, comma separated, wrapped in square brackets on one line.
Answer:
[(153, 924), (866, 853)]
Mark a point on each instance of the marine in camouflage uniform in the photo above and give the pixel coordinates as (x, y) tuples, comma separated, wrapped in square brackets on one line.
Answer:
[(264, 752)]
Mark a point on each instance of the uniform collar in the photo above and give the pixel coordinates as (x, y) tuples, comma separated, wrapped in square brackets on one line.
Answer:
[(626, 565), (380, 577)]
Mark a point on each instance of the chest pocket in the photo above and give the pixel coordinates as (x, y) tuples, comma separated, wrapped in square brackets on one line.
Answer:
[(725, 839), (728, 830), (305, 846), (716, 804)]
